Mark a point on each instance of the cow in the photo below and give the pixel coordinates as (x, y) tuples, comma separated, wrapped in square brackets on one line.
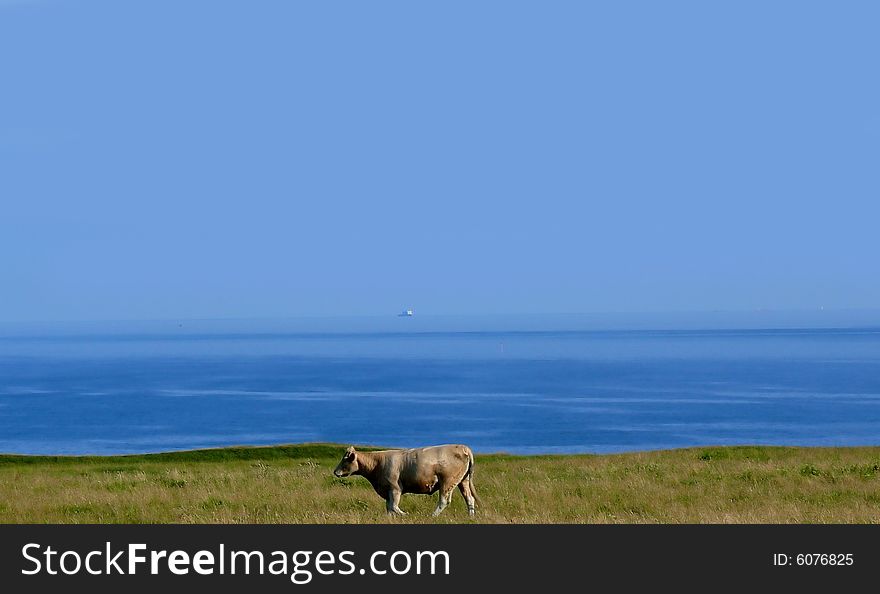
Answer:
[(421, 470)]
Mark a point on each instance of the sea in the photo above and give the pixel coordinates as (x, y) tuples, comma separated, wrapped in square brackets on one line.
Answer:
[(517, 385)]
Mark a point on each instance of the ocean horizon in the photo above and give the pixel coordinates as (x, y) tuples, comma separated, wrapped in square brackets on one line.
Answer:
[(531, 388)]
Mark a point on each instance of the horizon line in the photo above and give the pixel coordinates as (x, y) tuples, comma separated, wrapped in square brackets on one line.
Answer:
[(439, 315)]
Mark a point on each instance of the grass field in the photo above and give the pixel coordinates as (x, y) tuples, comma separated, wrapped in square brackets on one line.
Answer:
[(293, 484)]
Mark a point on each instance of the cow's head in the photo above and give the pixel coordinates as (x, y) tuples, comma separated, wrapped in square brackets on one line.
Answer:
[(349, 463)]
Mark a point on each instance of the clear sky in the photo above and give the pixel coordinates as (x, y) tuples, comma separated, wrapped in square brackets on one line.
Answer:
[(200, 159)]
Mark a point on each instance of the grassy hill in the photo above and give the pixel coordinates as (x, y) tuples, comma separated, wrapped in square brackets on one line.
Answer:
[(293, 484)]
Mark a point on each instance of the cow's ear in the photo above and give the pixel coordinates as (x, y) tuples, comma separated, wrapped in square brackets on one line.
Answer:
[(350, 456)]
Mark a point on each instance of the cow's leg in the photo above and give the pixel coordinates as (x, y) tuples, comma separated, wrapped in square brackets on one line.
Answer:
[(393, 503), (465, 488), (445, 498)]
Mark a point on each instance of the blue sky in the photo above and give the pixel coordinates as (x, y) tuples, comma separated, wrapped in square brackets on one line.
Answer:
[(203, 159)]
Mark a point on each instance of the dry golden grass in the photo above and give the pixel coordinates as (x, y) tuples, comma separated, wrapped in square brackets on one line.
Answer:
[(294, 484)]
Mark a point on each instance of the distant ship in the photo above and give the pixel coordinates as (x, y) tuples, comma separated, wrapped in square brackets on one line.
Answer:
[(407, 313)]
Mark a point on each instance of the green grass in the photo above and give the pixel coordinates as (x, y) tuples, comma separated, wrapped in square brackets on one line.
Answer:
[(293, 484)]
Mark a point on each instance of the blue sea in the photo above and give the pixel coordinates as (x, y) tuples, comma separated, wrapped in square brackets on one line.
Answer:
[(531, 388)]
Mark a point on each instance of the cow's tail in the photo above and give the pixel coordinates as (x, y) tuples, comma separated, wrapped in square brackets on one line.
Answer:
[(469, 475)]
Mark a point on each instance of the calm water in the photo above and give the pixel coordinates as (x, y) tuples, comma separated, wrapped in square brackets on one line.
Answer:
[(527, 392)]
